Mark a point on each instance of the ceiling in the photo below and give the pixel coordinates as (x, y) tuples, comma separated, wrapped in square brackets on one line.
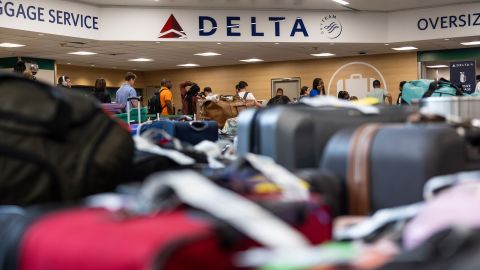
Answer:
[(364, 5), (167, 55)]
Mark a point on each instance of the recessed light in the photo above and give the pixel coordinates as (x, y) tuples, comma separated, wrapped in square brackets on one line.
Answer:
[(386, 44), (471, 43), (252, 60), (406, 48), (207, 54), (322, 54), (341, 2), (92, 65), (219, 43), (11, 45), (188, 65), (438, 66), (447, 39), (141, 60), (69, 63), (82, 53), (276, 43), (158, 42)]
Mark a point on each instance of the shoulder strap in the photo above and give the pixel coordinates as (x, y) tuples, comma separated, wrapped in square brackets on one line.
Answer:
[(159, 97), (246, 95), (358, 175)]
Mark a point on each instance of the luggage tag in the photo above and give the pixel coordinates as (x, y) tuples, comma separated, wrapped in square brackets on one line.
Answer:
[(326, 101), (197, 191), (292, 186), (143, 144)]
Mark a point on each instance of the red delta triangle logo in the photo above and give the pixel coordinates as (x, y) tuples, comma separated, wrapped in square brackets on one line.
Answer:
[(172, 29)]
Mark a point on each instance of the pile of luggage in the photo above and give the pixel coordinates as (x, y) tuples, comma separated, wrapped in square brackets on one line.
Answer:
[(326, 184)]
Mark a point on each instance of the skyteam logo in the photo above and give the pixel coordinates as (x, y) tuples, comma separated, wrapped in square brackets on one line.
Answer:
[(172, 29), (331, 27)]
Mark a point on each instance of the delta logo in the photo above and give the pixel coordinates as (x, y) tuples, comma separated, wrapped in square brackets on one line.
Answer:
[(172, 29)]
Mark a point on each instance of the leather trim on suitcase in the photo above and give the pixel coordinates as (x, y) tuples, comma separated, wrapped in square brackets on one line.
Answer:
[(358, 174)]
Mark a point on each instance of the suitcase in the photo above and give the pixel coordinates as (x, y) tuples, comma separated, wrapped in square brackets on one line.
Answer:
[(383, 166), (192, 132), (295, 135), (113, 108)]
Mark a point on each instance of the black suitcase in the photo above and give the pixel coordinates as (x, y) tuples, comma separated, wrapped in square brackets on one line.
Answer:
[(295, 135), (384, 166)]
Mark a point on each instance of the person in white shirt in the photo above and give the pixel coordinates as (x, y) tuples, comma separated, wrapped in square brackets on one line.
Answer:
[(207, 91), (243, 93), (379, 93)]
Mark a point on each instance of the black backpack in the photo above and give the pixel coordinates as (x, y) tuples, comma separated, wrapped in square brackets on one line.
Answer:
[(57, 145)]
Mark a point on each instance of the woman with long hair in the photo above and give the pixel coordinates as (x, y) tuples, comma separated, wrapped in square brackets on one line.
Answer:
[(100, 91), (318, 88)]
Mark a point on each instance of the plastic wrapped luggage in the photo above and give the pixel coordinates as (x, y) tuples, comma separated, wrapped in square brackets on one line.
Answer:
[(57, 145), (383, 166), (296, 135), (192, 132)]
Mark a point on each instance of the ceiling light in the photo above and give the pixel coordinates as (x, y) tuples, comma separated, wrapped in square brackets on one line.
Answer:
[(219, 43), (188, 65), (438, 66), (82, 53), (69, 63), (447, 39), (471, 43), (207, 54), (276, 43), (406, 48), (40, 34), (252, 60), (158, 42), (341, 2), (92, 65), (386, 44), (11, 45), (322, 54), (141, 60)]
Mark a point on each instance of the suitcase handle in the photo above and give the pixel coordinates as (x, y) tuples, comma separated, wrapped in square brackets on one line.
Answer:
[(198, 126), (139, 109)]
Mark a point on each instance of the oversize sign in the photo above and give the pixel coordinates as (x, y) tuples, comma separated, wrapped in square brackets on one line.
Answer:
[(463, 74)]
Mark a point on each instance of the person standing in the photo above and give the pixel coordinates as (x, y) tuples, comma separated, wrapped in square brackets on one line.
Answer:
[(166, 97), (127, 91), (279, 98), (318, 88), (243, 93), (64, 81), (380, 93), (304, 92), (399, 99), (154, 103), (100, 91)]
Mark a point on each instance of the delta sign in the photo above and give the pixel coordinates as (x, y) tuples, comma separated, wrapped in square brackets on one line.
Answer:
[(208, 26)]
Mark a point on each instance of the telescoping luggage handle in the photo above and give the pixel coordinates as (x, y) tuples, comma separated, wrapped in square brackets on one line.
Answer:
[(327, 101), (139, 109), (244, 215)]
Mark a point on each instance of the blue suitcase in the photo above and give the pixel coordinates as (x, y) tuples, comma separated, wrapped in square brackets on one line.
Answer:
[(192, 132)]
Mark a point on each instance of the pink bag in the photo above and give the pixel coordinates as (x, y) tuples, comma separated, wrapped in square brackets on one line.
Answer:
[(457, 206)]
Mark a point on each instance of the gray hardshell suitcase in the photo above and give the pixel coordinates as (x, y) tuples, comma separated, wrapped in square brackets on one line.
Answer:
[(295, 135), (387, 165)]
